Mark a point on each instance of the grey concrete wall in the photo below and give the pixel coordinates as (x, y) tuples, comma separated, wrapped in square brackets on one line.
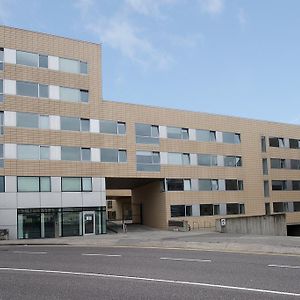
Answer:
[(257, 225)]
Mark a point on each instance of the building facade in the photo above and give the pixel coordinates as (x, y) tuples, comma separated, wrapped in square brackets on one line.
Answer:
[(64, 150)]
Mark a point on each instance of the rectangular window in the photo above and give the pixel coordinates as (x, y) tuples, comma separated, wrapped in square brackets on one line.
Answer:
[(205, 135), (86, 154), (206, 210), (84, 125), (1, 59), (29, 89), (232, 208), (108, 126), (27, 59), (276, 142), (84, 96), (296, 185), (87, 184), (233, 185), (204, 160), (279, 185), (185, 158), (1, 122), (263, 144), (71, 184), (33, 184), (76, 184), (109, 155), (295, 164), (187, 184), (43, 91), (44, 122), (83, 67), (1, 90), (175, 185), (232, 161), (147, 134), (216, 209), (294, 144), (70, 153), (69, 65), (297, 206), (122, 156), (69, 94), (1, 156), (148, 161), (121, 127), (279, 207), (231, 138), (44, 152), (177, 133), (277, 163), (265, 166), (28, 152), (188, 210), (27, 120), (205, 185), (266, 189), (177, 211), (174, 158), (69, 123), (43, 61), (2, 184)]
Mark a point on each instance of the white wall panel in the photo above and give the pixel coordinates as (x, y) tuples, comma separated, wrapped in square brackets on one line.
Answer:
[(55, 153), (10, 184), (53, 62), (94, 125), (54, 92), (10, 56), (54, 122), (10, 151), (10, 87), (163, 132), (10, 118), (28, 200)]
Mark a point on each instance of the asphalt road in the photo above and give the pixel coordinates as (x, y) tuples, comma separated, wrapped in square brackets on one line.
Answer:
[(63, 272)]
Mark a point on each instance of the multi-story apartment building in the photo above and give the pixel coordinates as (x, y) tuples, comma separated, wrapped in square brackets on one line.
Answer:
[(63, 150)]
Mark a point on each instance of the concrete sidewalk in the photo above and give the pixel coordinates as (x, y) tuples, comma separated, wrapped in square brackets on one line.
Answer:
[(194, 240)]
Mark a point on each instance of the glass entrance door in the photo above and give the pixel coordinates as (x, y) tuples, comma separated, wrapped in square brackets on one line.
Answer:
[(88, 222)]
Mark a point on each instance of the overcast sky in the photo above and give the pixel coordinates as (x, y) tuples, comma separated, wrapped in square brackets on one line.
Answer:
[(233, 57)]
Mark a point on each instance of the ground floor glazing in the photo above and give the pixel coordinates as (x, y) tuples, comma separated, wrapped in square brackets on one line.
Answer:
[(60, 222)]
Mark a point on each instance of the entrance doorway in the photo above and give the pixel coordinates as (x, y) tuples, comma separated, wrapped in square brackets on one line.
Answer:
[(88, 222)]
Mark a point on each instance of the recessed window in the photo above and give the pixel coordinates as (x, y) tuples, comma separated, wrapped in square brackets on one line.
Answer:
[(107, 126), (265, 166), (280, 207), (147, 134), (27, 120), (296, 185), (1, 156), (1, 59), (232, 161), (84, 96), (148, 161), (177, 133), (175, 185), (1, 122), (86, 154), (1, 91), (27, 59), (206, 209), (295, 164), (28, 152), (113, 155), (233, 185), (263, 144), (177, 211), (83, 67), (278, 163), (44, 122), (208, 184), (70, 123), (84, 125), (44, 152), (69, 65), (266, 189), (231, 138), (279, 185), (205, 135), (70, 153), (43, 61), (29, 89), (232, 208), (276, 142), (43, 91), (2, 184)]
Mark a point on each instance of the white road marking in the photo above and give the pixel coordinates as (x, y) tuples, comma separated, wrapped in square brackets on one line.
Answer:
[(201, 284), (30, 252), (185, 259), (284, 266), (99, 254)]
